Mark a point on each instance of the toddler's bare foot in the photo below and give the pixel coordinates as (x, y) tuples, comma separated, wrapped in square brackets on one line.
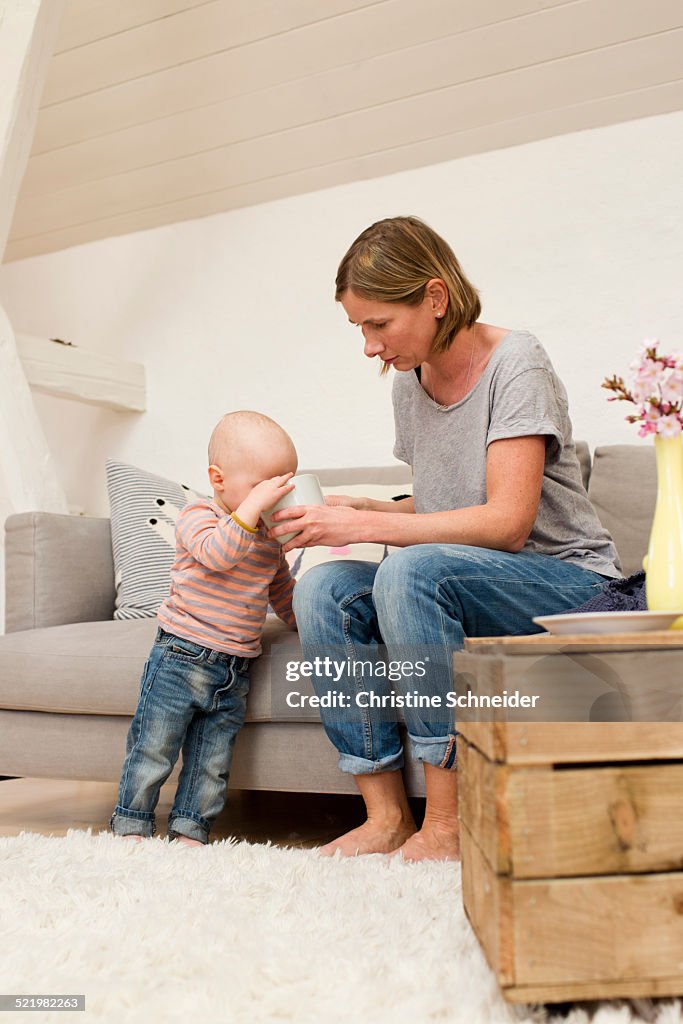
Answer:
[(135, 839), (186, 841), (371, 837), (431, 843)]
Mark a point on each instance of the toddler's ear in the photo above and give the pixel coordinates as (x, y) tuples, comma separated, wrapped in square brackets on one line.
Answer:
[(216, 477)]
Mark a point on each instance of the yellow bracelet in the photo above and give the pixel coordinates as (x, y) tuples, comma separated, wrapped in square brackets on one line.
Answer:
[(236, 519)]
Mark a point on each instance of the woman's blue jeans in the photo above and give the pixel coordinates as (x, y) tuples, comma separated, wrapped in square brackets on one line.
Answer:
[(427, 597)]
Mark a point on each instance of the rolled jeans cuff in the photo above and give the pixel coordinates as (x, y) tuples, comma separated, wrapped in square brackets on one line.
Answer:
[(132, 823), (439, 751), (188, 827), (364, 766)]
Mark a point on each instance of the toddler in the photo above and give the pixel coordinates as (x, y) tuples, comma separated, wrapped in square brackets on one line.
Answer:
[(194, 686)]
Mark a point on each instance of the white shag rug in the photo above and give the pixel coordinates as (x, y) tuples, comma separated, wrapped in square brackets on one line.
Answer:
[(233, 932)]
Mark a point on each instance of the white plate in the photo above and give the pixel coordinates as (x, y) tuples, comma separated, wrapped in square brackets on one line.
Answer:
[(607, 622)]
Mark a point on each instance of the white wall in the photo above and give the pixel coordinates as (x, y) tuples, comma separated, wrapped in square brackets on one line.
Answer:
[(577, 238)]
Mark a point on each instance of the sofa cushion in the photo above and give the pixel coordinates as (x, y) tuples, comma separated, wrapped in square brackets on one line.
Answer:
[(623, 489), (57, 569), (144, 508), (584, 456), (94, 668)]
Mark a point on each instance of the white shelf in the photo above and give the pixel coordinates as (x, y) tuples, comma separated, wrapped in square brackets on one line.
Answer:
[(70, 372)]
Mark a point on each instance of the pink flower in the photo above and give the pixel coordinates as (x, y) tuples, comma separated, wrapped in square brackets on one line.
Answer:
[(669, 426), (648, 377), (672, 387), (656, 391)]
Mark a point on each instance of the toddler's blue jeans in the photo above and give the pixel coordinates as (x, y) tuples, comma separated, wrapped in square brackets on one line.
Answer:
[(427, 597), (191, 698)]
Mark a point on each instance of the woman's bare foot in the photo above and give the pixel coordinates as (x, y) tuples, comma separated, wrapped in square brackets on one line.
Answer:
[(431, 843), (371, 837), (186, 841)]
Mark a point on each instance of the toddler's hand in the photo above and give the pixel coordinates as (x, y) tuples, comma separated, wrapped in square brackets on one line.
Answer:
[(268, 492), (262, 497)]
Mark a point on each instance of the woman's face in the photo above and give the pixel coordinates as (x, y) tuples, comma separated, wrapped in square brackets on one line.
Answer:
[(401, 335)]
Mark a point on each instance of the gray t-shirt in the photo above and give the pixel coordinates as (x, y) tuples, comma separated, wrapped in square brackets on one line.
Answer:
[(519, 394)]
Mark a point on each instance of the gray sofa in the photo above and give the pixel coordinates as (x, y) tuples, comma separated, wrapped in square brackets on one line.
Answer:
[(69, 672)]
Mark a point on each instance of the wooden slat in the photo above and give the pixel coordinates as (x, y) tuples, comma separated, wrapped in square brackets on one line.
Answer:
[(544, 643), (482, 802), (594, 820), (439, 64), (487, 900), (181, 38), (569, 939), (517, 130), (541, 823), (642, 988), (27, 34), (575, 742), (85, 21), (343, 43), (594, 929), (635, 698), (359, 133)]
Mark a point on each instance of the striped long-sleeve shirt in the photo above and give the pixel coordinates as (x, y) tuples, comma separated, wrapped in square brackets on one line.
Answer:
[(222, 580)]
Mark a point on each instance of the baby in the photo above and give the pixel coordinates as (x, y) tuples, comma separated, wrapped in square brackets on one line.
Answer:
[(194, 686)]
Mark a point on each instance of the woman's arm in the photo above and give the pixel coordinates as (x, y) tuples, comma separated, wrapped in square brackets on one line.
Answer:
[(514, 477), (370, 504)]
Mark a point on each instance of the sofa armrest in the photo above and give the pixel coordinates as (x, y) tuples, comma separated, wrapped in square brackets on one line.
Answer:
[(58, 569)]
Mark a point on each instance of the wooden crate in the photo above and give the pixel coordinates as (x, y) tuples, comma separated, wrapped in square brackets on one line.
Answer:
[(572, 842)]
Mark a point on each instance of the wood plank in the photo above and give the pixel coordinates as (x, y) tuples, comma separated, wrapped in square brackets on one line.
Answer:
[(483, 805), (598, 929), (487, 900), (511, 132), (27, 36), (541, 823), (488, 737), (181, 38), (84, 21), (585, 643), (642, 988), (594, 821), (613, 686), (577, 742), (419, 69), (69, 372), (252, 68), (568, 939), (353, 135)]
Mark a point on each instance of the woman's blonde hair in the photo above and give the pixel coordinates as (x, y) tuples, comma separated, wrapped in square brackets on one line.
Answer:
[(394, 259)]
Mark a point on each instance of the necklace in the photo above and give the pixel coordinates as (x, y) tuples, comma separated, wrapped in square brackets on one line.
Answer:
[(469, 371)]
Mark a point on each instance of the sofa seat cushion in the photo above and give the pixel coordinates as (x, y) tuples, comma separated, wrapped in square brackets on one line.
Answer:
[(623, 490), (94, 668)]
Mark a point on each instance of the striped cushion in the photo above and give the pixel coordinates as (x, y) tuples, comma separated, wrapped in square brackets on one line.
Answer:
[(144, 508)]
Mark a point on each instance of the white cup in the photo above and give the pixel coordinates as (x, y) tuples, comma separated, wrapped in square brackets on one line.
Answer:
[(306, 492)]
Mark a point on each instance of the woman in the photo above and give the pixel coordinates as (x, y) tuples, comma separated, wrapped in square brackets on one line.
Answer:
[(499, 529)]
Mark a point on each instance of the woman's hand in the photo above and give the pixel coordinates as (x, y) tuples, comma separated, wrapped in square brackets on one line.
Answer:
[(335, 526)]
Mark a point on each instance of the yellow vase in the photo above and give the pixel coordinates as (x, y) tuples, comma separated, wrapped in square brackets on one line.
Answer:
[(664, 561)]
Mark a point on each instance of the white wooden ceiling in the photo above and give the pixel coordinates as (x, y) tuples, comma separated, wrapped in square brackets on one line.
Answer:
[(157, 111)]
